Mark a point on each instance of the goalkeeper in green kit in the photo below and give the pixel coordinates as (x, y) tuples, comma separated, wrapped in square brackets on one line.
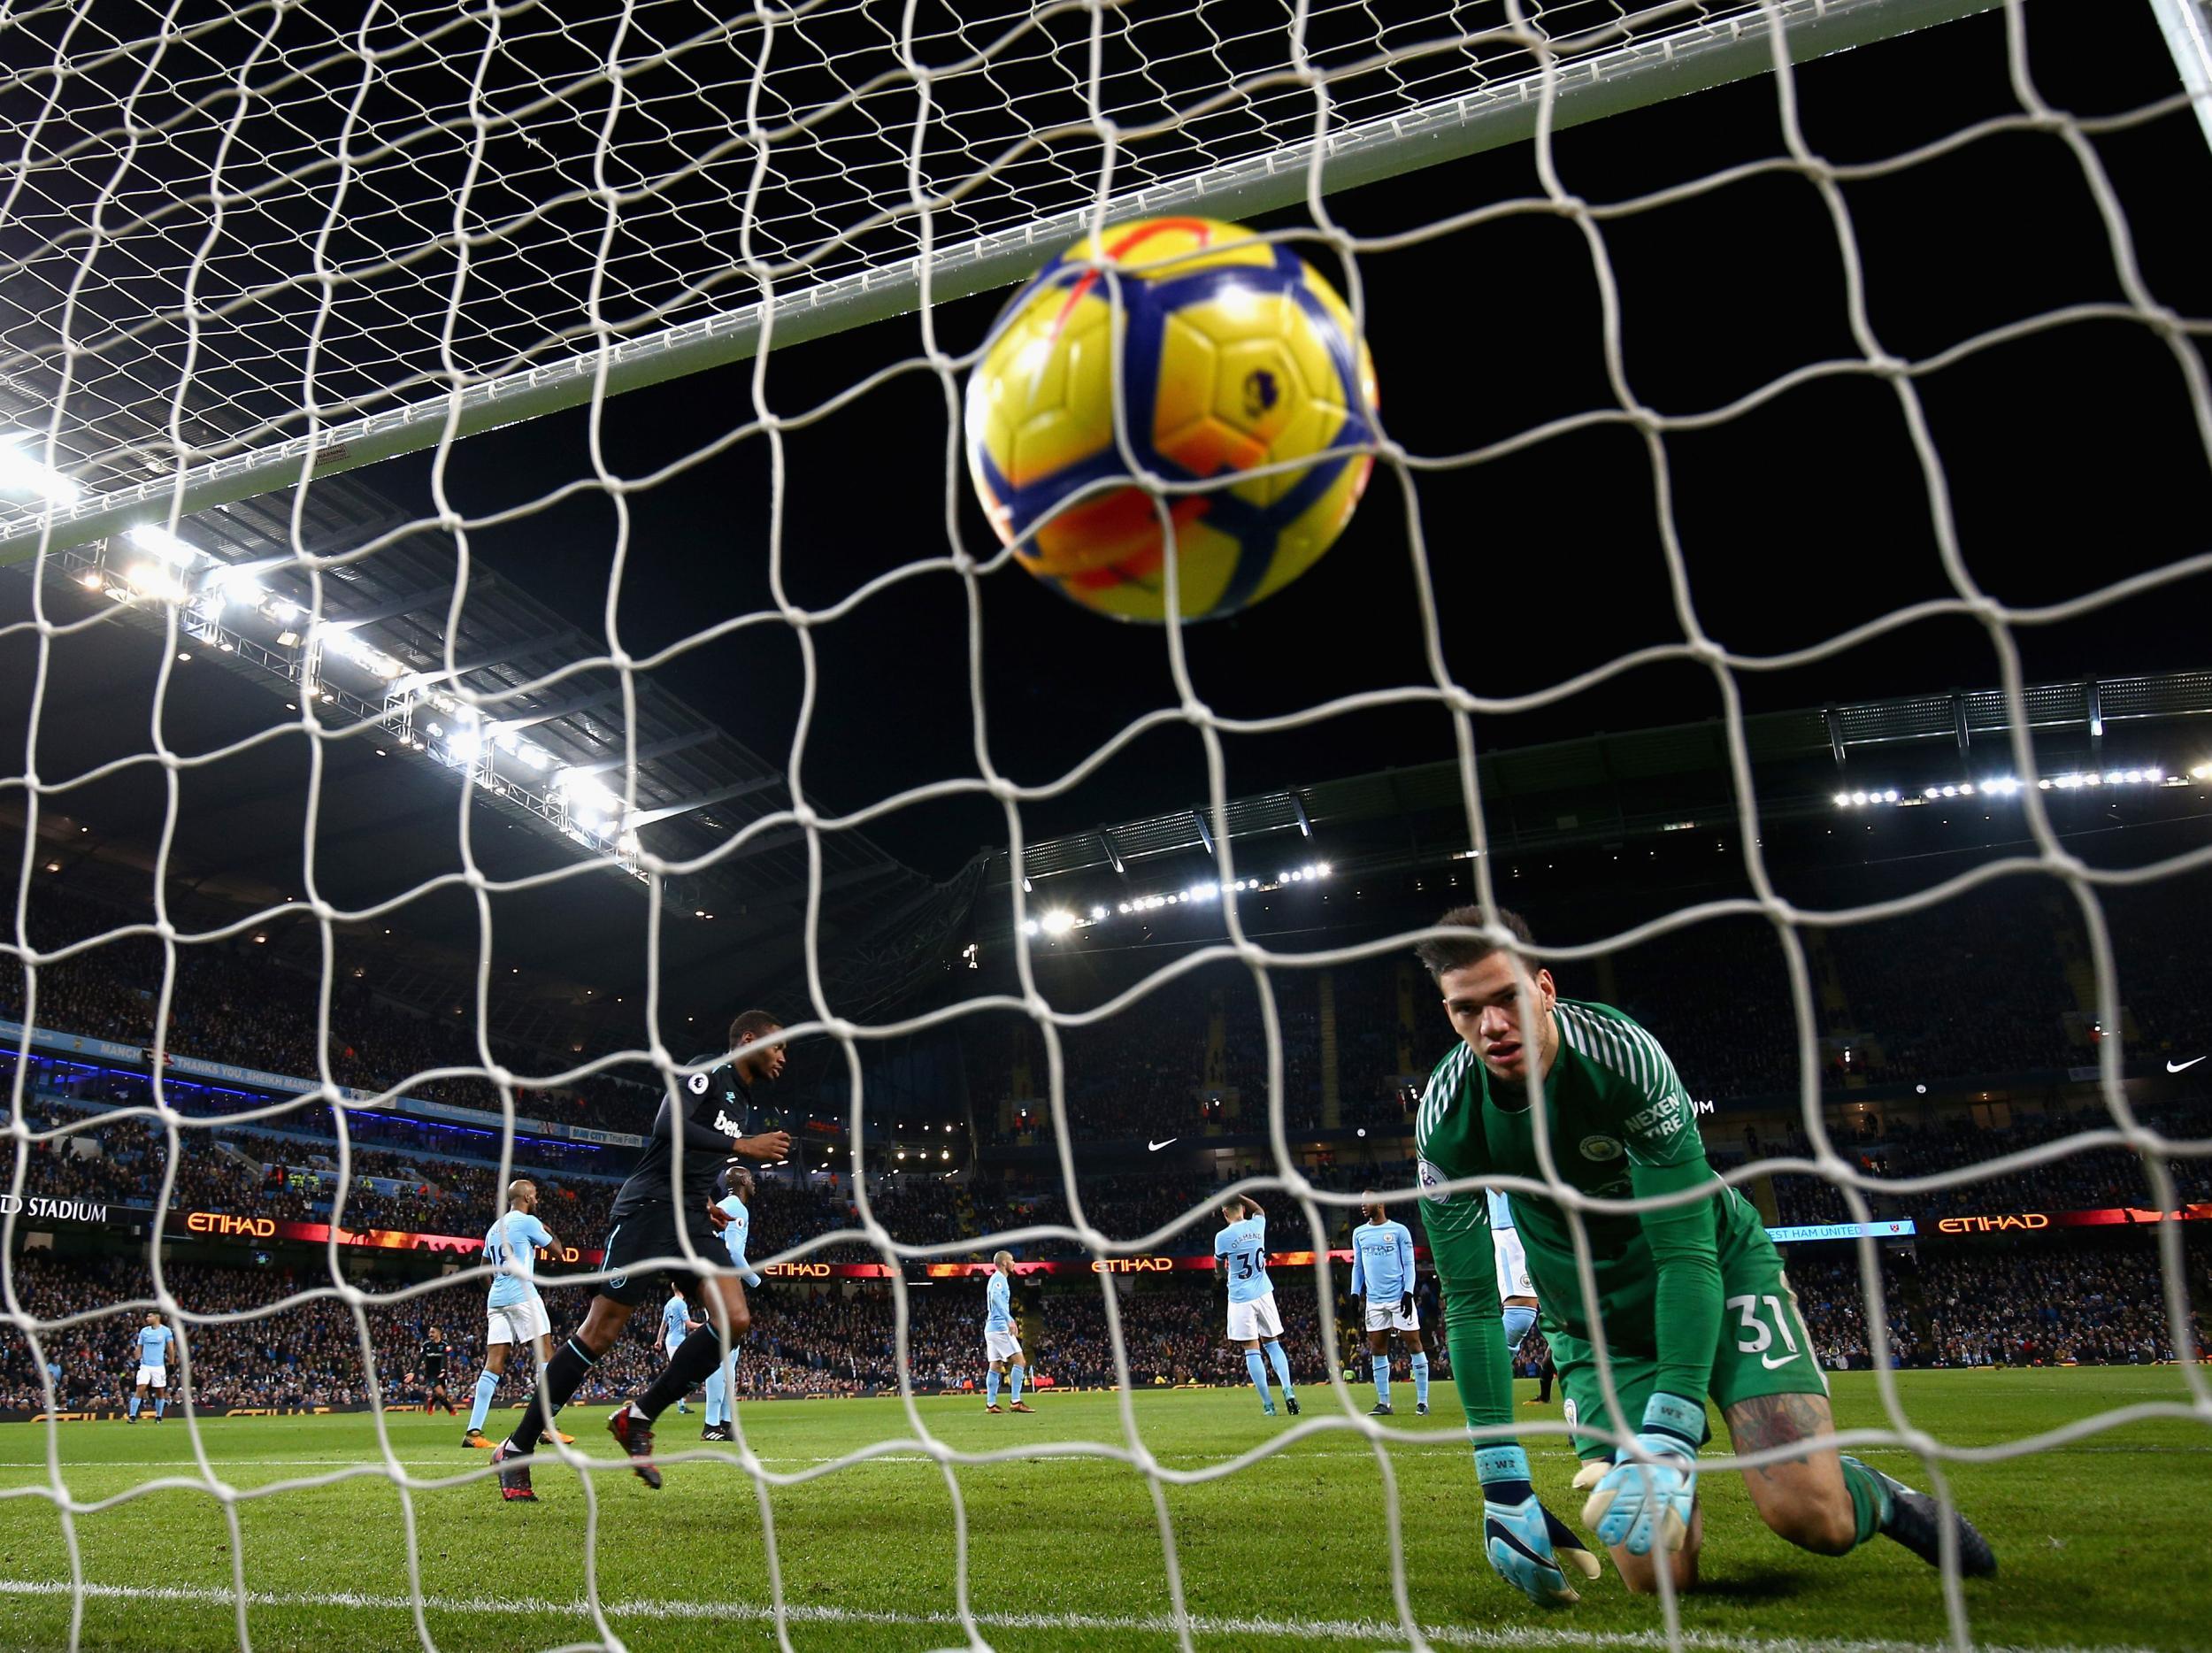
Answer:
[(1691, 1300)]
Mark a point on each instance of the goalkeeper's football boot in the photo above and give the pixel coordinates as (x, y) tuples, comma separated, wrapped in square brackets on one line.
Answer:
[(634, 1436), (514, 1476), (1916, 1521), (564, 1440), (478, 1438), (1291, 1401)]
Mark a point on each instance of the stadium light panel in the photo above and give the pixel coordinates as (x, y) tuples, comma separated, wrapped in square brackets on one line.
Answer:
[(156, 541), (90, 579), (20, 473), (154, 581), (1059, 921), (463, 748)]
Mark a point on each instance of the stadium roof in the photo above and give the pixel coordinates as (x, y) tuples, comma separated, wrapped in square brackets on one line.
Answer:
[(1605, 787), (547, 744)]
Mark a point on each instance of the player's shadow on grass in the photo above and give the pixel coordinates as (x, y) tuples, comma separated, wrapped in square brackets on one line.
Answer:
[(1752, 1585)]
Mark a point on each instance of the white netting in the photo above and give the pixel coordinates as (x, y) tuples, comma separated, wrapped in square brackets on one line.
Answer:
[(227, 230)]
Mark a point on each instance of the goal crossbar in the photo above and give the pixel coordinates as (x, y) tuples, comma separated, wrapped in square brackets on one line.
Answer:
[(1633, 74)]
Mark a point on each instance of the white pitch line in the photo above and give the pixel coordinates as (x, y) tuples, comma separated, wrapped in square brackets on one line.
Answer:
[(1293, 1456), (1374, 1632)]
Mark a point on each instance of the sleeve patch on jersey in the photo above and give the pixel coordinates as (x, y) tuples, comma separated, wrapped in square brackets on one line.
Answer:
[(698, 1083)]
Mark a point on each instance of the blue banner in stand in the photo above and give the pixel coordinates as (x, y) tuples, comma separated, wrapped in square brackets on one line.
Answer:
[(230, 1073), (1898, 1228)]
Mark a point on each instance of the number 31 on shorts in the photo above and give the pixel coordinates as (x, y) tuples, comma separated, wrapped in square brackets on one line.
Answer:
[(1762, 1321)]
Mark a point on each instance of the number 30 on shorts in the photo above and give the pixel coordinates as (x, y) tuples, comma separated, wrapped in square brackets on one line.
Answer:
[(1760, 1318)]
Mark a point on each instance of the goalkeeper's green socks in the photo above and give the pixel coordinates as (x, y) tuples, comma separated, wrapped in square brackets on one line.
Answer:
[(1870, 1504)]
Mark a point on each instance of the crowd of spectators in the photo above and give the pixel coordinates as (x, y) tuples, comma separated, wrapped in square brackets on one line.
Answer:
[(1987, 1307), (1996, 1305), (283, 1177), (1989, 982), (229, 1004), (2089, 1180)]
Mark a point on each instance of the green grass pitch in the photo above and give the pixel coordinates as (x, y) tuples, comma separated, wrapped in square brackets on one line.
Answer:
[(2100, 1542)]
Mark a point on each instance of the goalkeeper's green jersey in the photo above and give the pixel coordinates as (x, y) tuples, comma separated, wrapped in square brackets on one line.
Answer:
[(1620, 1125)]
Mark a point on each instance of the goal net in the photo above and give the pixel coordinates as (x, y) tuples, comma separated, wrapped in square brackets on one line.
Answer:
[(277, 281)]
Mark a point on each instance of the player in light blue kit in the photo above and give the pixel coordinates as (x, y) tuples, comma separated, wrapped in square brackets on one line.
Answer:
[(153, 1340), (1002, 1340), (1516, 1291), (735, 1187), (677, 1325), (514, 1313), (1241, 1254), (1382, 1280)]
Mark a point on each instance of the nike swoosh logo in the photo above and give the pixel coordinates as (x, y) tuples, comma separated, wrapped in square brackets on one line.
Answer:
[(1771, 1363), (2176, 1067), (1156, 1147)]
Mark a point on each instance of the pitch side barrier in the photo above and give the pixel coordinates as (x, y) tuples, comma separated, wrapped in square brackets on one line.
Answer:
[(249, 1230)]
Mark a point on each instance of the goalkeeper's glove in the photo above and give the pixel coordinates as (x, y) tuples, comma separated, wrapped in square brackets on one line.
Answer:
[(1637, 1503), (1532, 1548)]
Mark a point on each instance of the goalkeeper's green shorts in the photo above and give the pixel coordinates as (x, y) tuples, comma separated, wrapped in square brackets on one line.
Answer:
[(1764, 1349)]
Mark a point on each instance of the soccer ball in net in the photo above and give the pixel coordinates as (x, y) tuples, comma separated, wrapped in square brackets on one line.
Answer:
[(1231, 354)]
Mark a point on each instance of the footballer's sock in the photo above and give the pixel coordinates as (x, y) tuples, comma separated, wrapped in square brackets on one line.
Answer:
[(133, 1406), (487, 1386), (1543, 1384), (161, 1406), (1518, 1320), (1281, 1362), (1870, 1503), (990, 1387), (1420, 1377), (564, 1374), (718, 1402), (1381, 1366), (1257, 1367), (1014, 1382), (687, 1368)]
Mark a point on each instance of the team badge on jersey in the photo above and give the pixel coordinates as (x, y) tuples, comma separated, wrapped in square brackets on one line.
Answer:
[(1601, 1147)]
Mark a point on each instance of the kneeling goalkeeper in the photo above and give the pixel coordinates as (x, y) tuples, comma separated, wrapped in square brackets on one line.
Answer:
[(1691, 1300)]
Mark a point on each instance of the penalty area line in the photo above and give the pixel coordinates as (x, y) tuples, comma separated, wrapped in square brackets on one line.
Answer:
[(1370, 1632)]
